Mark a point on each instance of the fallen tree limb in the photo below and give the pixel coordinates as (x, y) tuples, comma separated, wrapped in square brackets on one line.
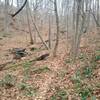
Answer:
[(8, 65)]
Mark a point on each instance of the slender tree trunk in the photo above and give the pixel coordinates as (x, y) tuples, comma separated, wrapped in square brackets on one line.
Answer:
[(98, 26), (35, 20), (57, 28), (76, 36), (19, 16), (49, 31), (6, 16), (38, 33), (28, 20)]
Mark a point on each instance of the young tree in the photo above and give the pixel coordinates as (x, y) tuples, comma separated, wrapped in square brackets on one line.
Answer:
[(28, 20), (57, 28), (49, 36), (81, 19), (6, 21)]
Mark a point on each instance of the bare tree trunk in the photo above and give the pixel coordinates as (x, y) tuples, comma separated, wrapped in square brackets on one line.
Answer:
[(35, 26), (57, 28), (28, 20), (96, 16), (19, 16), (98, 26), (35, 20), (98, 39), (76, 38), (6, 16), (98, 9), (49, 31), (40, 36)]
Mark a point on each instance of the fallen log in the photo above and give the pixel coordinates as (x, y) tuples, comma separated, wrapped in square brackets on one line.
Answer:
[(42, 57), (8, 65)]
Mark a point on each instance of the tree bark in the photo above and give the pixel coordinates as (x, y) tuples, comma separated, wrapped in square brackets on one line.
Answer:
[(57, 29), (28, 20)]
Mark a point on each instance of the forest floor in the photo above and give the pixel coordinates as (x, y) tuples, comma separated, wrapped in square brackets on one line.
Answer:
[(56, 78)]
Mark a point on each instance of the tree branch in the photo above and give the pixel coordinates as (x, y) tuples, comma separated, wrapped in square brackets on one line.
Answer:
[(13, 15)]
